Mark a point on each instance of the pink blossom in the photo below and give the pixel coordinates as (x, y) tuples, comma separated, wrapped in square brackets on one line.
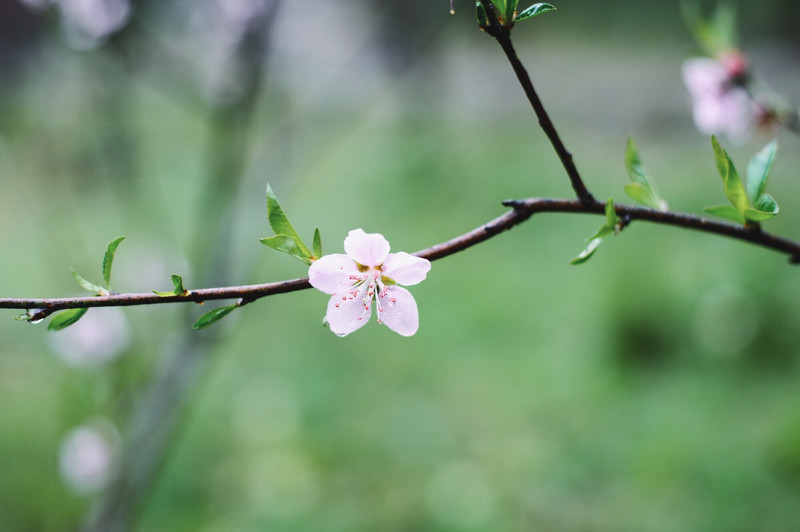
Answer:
[(720, 103), (368, 275)]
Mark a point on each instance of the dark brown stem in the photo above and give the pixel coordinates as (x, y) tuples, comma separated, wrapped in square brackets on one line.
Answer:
[(502, 34), (521, 211)]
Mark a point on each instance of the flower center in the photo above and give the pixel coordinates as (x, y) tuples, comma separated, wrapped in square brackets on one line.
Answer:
[(368, 285)]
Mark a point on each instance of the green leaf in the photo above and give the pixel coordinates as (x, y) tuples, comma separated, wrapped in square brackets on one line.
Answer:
[(758, 170), (603, 232), (86, 285), (611, 214), (178, 290), (640, 187), (642, 194), (287, 244), (280, 223), (767, 203), (633, 164), (587, 253), (534, 10), (501, 6), (317, 244), (213, 316), (108, 259), (717, 34), (62, 320), (726, 211), (733, 185), (765, 208), (480, 14)]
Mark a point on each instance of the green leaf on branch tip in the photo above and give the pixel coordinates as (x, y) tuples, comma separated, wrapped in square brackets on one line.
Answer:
[(86, 285), (633, 164), (733, 185), (480, 14), (213, 316), (534, 10), (317, 244), (758, 170), (728, 212), (108, 259), (287, 244), (281, 225), (765, 208), (640, 188), (610, 228), (611, 214), (587, 253), (62, 320), (178, 290)]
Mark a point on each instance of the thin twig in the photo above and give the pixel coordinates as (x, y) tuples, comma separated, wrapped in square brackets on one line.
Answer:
[(521, 211), (502, 35)]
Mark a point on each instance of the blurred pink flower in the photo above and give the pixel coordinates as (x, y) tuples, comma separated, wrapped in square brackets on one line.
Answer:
[(720, 103), (86, 456), (369, 273)]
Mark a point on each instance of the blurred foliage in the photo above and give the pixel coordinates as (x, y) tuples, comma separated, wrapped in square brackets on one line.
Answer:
[(654, 388)]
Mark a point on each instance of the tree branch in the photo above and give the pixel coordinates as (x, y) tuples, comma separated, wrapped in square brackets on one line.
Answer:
[(502, 34), (521, 211)]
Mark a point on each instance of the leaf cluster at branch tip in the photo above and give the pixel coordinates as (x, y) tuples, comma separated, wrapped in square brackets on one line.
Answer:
[(611, 227), (286, 238), (64, 319), (506, 11), (750, 204)]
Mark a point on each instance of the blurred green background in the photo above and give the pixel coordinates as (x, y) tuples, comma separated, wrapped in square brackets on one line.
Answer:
[(654, 388)]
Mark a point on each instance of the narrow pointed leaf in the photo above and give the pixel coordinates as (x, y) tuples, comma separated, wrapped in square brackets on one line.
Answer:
[(178, 290), (611, 214), (633, 164), (280, 223), (587, 253), (62, 320), (640, 187), (86, 285), (726, 211), (213, 316), (108, 259), (508, 11), (287, 244), (733, 185), (317, 244), (534, 10), (758, 170), (480, 14)]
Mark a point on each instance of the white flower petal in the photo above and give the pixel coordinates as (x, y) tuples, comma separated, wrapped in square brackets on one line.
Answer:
[(400, 312), (406, 269), (369, 249), (331, 273), (346, 315)]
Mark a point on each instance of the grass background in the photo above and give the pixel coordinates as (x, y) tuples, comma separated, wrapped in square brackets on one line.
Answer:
[(654, 388)]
